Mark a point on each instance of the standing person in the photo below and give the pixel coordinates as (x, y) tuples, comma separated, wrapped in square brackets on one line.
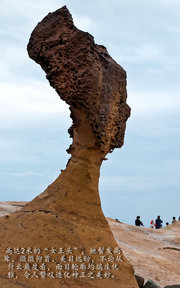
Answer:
[(174, 219), (179, 218), (158, 222), (152, 224), (138, 222)]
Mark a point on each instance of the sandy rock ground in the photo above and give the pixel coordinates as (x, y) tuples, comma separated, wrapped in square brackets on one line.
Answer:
[(10, 207), (154, 254)]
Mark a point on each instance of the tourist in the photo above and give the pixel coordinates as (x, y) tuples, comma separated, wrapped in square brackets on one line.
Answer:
[(167, 223), (138, 222), (152, 224), (159, 222), (174, 219)]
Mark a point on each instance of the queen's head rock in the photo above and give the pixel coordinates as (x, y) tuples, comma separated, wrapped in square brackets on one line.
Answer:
[(85, 76), (67, 216)]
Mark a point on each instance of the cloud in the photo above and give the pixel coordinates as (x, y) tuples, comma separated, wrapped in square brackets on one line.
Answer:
[(13, 67), (29, 101), (154, 102), (159, 180), (25, 9), (23, 174), (144, 52), (19, 18), (83, 23), (174, 30), (172, 4)]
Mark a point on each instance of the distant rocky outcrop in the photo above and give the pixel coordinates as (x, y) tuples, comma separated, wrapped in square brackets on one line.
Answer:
[(66, 220)]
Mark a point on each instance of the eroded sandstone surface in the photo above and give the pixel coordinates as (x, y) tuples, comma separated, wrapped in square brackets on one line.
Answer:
[(154, 253), (68, 213)]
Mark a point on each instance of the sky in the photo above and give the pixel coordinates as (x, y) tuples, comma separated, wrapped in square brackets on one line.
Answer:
[(143, 177)]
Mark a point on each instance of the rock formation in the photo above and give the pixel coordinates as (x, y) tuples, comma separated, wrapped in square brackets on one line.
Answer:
[(68, 213)]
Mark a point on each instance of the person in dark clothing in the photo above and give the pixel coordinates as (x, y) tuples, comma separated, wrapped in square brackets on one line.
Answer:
[(138, 222), (158, 222), (173, 220)]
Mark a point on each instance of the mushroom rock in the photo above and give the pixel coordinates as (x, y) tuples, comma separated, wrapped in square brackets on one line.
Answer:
[(68, 215)]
